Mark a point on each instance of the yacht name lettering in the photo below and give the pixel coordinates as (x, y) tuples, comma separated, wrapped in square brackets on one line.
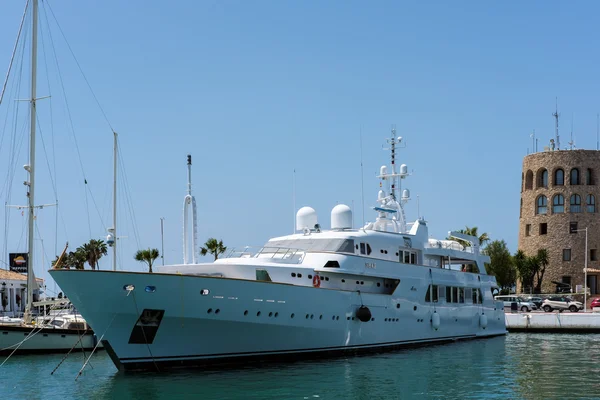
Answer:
[(370, 265)]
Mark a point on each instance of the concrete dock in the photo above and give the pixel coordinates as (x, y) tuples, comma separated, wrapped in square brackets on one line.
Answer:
[(566, 322)]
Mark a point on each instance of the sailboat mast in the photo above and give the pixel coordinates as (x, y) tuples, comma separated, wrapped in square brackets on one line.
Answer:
[(115, 203), (31, 167)]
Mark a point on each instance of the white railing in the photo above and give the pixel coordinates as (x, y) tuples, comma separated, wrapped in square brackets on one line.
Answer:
[(281, 254)]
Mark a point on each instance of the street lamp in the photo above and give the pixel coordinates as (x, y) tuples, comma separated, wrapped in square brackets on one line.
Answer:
[(585, 268)]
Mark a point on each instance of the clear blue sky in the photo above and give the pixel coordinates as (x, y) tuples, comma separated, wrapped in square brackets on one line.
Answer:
[(254, 89)]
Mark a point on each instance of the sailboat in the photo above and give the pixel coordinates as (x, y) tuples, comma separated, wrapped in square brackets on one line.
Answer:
[(60, 331)]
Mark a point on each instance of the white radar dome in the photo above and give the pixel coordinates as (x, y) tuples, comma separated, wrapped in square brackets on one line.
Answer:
[(306, 217), (341, 217), (403, 169), (406, 194), (383, 170)]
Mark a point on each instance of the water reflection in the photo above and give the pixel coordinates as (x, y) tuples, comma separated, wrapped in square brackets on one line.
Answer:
[(519, 366)]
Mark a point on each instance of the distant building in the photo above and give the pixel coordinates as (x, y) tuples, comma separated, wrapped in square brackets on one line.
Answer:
[(559, 195)]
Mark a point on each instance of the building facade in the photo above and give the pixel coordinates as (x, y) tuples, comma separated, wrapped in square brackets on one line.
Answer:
[(559, 192)]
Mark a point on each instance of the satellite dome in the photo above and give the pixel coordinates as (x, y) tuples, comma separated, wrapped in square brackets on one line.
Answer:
[(341, 217), (306, 217)]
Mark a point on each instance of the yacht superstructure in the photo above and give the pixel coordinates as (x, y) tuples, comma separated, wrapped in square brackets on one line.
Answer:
[(315, 292)]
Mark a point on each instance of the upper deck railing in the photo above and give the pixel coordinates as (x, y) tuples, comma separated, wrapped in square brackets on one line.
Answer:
[(280, 254)]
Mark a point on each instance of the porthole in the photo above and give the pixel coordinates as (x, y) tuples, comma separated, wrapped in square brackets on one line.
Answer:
[(362, 282), (309, 276), (320, 316), (217, 311), (358, 282), (352, 318), (337, 318), (372, 319), (209, 310), (396, 254), (299, 275), (293, 274), (381, 251), (385, 319), (378, 284), (292, 316), (246, 312), (307, 316), (311, 316), (150, 289), (204, 292), (415, 308), (348, 318), (398, 305), (386, 252), (258, 314), (333, 318), (270, 314), (343, 281), (276, 314), (327, 278)]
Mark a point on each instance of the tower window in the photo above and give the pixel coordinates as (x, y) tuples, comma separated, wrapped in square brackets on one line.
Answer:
[(589, 177), (591, 203), (558, 204), (542, 205), (542, 178), (528, 230), (573, 227), (574, 176), (559, 177), (575, 204), (593, 255), (543, 228), (529, 180), (566, 254)]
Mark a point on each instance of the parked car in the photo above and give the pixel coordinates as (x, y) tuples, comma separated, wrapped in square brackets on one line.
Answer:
[(535, 300), (561, 303), (595, 303), (522, 305)]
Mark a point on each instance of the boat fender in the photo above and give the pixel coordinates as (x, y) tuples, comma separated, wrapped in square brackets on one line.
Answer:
[(363, 313), (317, 281), (483, 321), (435, 321)]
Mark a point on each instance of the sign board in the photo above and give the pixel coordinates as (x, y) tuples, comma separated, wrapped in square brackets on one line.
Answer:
[(18, 262)]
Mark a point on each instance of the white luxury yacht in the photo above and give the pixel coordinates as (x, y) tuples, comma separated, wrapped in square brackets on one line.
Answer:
[(313, 293)]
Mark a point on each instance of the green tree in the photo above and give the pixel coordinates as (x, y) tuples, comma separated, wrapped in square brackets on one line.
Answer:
[(524, 269), (542, 262), (483, 238), (73, 259), (148, 256), (213, 247), (501, 264), (93, 250)]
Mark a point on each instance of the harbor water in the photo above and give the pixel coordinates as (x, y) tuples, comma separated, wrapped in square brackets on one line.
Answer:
[(518, 366)]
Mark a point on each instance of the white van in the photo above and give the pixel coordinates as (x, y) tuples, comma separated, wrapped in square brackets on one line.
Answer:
[(522, 305)]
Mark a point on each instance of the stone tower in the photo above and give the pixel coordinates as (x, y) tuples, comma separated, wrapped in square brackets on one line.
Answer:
[(559, 191)]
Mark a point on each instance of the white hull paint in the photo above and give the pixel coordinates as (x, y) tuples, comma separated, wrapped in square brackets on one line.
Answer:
[(226, 324), (44, 340)]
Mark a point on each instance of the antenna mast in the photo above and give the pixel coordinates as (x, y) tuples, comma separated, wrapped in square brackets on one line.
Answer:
[(556, 115), (362, 180), (188, 201)]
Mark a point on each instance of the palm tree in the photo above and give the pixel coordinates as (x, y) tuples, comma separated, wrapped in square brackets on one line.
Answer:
[(93, 251), (73, 259), (483, 238), (148, 256), (543, 261), (213, 247)]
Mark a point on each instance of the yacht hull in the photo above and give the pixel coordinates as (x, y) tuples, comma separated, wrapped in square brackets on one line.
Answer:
[(35, 340), (166, 321)]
